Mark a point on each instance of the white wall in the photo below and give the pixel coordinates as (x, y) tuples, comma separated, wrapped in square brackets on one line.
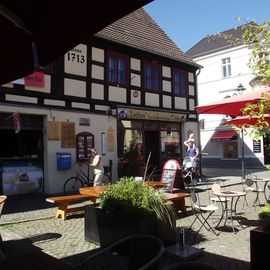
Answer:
[(212, 87), (53, 178)]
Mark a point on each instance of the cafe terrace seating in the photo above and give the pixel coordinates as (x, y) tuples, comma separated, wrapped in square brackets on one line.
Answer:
[(202, 213), (250, 186)]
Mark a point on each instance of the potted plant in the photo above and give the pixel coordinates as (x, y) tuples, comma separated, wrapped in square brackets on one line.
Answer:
[(129, 207), (264, 217), (260, 239)]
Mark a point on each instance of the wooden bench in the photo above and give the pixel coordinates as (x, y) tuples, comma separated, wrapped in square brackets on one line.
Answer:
[(64, 201)]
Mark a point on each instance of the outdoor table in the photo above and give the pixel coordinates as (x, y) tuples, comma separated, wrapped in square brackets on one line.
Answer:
[(155, 184), (178, 199), (97, 190), (229, 206), (262, 180), (92, 191)]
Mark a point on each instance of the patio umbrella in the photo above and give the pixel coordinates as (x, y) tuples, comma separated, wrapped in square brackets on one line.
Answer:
[(34, 32), (245, 121), (232, 105)]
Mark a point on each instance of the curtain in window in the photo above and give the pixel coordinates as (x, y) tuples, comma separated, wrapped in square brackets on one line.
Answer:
[(180, 82)]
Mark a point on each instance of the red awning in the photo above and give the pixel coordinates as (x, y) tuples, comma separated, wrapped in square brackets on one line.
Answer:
[(223, 135)]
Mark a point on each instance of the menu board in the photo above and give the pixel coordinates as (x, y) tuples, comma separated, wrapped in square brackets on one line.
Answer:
[(169, 174), (257, 146), (168, 178), (84, 144), (67, 135), (54, 130)]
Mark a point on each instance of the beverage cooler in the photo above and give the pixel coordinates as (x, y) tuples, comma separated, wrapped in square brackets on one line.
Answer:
[(21, 178)]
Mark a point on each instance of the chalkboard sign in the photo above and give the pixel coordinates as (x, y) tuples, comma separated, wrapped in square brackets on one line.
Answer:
[(169, 173)]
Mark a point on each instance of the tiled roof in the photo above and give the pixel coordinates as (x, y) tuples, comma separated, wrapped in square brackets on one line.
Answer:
[(214, 43), (140, 31)]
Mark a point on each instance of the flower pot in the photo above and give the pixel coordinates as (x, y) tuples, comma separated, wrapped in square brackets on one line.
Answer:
[(105, 228)]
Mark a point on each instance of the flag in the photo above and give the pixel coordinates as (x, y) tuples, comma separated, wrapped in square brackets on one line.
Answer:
[(16, 122)]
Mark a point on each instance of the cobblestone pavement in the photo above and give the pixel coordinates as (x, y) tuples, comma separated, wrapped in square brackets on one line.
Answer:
[(29, 221)]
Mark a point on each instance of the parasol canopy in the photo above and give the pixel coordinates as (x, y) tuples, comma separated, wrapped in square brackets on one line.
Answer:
[(232, 105), (39, 32)]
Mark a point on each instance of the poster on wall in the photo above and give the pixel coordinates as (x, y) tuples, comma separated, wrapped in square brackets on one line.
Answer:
[(54, 130), (68, 138), (110, 139)]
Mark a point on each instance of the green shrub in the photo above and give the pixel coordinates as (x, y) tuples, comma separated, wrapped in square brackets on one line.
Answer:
[(129, 196), (264, 216)]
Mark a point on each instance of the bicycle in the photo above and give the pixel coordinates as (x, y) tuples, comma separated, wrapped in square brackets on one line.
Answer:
[(82, 179)]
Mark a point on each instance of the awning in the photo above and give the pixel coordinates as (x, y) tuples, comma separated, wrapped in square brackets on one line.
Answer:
[(223, 135)]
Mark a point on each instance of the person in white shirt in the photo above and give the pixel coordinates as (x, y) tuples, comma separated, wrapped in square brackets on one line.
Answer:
[(97, 166)]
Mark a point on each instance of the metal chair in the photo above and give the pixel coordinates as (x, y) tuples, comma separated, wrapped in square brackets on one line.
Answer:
[(2, 202), (249, 185), (216, 188), (202, 213), (135, 252)]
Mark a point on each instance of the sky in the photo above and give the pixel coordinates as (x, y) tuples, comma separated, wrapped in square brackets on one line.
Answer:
[(186, 22)]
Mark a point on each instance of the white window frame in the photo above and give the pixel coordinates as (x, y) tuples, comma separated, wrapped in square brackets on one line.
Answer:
[(226, 67)]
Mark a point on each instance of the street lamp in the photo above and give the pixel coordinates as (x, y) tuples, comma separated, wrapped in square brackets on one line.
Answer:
[(240, 88)]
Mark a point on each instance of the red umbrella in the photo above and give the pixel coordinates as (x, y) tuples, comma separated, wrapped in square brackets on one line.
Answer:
[(232, 105), (245, 121)]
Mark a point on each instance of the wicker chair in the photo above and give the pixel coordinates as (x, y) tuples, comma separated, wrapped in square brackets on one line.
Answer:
[(2, 202), (191, 266), (136, 252)]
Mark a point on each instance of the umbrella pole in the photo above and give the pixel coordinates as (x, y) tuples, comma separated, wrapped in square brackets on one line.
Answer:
[(243, 155)]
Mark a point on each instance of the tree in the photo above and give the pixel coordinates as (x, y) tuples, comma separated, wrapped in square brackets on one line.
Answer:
[(258, 38)]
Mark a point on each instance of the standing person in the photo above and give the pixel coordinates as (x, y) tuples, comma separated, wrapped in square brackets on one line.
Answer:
[(97, 166), (193, 153)]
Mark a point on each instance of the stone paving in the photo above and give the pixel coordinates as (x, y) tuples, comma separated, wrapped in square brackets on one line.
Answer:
[(32, 219)]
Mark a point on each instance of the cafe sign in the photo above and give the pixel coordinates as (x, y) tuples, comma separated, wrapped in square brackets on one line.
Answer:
[(150, 115)]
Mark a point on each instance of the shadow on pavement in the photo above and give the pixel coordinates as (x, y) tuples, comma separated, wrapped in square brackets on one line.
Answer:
[(26, 202)]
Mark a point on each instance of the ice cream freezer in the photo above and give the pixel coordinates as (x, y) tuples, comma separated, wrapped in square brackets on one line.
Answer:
[(21, 179)]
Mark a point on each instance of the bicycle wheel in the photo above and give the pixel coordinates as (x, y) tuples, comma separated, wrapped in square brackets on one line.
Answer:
[(72, 185), (106, 179)]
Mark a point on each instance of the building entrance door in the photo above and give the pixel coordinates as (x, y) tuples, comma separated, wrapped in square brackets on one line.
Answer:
[(152, 145)]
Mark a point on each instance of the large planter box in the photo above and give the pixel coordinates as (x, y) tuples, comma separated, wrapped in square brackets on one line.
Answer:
[(105, 228), (259, 249)]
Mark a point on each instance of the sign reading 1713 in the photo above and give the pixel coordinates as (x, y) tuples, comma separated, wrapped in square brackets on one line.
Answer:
[(75, 56), (76, 60)]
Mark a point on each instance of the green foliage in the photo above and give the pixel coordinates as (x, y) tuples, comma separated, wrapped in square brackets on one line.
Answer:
[(132, 197), (267, 167), (264, 216)]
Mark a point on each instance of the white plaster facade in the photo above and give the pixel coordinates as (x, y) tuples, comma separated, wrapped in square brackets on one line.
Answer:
[(212, 86)]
